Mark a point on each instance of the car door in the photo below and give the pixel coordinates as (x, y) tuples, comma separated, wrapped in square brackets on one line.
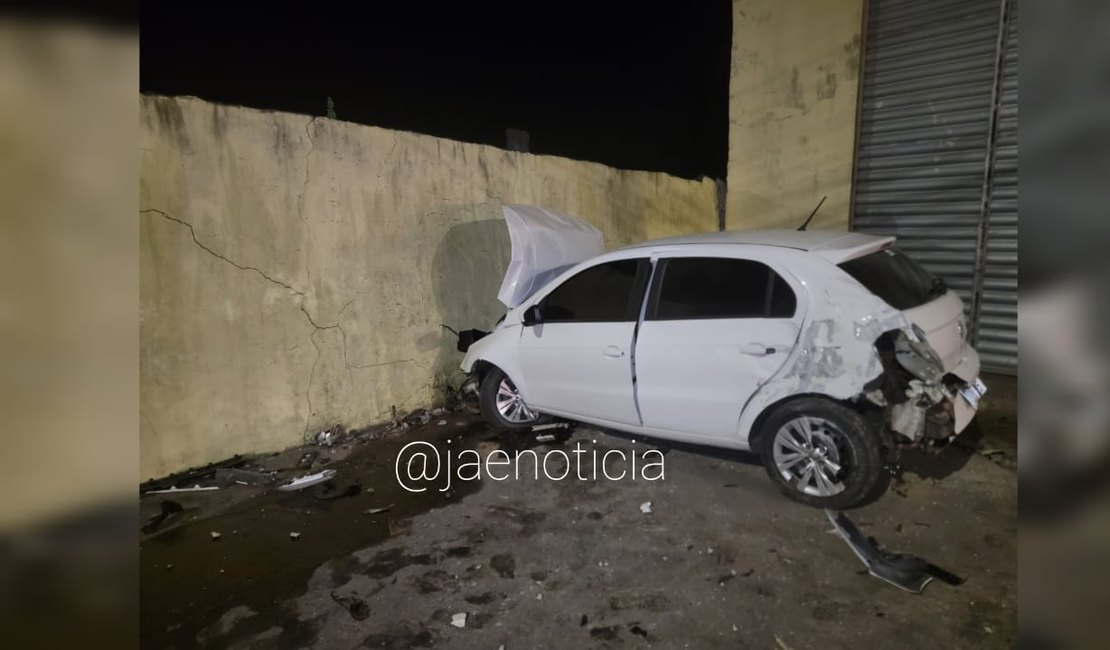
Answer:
[(715, 329), (577, 361)]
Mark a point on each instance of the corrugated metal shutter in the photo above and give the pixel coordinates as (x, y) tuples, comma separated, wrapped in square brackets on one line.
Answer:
[(923, 152), (996, 335)]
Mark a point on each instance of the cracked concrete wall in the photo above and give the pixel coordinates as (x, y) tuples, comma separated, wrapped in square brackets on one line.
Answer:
[(792, 112), (294, 271)]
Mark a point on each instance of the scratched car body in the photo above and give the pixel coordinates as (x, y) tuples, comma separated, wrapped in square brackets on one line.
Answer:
[(825, 352)]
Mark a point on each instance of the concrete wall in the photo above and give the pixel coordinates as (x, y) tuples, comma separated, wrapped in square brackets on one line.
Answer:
[(294, 271), (792, 111)]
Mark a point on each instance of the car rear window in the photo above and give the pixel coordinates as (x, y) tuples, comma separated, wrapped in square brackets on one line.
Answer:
[(895, 277)]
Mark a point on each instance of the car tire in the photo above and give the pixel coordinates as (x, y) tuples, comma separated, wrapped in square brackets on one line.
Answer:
[(494, 386), (822, 453)]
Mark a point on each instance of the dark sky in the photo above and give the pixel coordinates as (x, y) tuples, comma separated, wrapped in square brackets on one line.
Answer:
[(636, 85)]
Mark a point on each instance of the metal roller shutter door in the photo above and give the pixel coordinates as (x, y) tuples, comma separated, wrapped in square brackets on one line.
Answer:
[(924, 147)]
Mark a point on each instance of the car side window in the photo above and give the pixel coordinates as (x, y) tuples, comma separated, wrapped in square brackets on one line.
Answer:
[(691, 288), (609, 292)]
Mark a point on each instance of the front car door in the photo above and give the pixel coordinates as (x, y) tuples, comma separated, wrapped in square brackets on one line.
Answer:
[(577, 361), (715, 328)]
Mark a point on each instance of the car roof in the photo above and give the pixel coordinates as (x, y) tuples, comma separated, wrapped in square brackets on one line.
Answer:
[(835, 245)]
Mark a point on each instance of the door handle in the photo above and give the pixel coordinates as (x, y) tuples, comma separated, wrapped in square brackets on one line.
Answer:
[(757, 350), (613, 352)]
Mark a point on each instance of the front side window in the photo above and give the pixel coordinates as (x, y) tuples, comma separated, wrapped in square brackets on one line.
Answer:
[(691, 288), (609, 292)]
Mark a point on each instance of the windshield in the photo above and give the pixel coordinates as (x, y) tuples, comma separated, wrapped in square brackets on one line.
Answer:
[(893, 276)]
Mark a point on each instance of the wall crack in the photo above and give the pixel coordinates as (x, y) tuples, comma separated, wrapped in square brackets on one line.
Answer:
[(307, 162), (193, 234)]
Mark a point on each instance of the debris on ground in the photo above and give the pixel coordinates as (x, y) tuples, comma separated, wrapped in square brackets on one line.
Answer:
[(192, 476), (308, 480), (552, 425), (561, 428), (294, 536), (418, 417), (229, 475), (907, 572), (307, 459), (378, 511), (645, 507), (441, 423), (329, 493), (170, 510), (356, 606), (214, 535), (330, 437), (459, 620), (195, 488)]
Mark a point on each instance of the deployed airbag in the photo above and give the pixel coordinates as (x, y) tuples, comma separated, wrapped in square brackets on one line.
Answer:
[(545, 243)]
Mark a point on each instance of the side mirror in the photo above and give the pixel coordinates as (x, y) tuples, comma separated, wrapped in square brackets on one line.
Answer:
[(532, 316)]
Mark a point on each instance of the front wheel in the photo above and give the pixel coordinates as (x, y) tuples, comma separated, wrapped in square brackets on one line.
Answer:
[(501, 403), (821, 453)]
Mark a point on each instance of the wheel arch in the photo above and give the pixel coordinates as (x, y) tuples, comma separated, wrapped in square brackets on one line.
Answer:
[(871, 413)]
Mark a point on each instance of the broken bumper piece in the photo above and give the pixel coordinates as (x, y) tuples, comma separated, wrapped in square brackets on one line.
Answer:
[(904, 571)]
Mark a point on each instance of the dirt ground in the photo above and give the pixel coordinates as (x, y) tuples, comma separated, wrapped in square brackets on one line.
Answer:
[(722, 560)]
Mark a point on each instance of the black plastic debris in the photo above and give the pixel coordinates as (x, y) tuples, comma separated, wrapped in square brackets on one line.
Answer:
[(907, 572), (355, 606), (192, 476), (468, 337), (170, 510)]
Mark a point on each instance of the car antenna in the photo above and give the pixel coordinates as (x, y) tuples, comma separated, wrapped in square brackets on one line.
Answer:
[(810, 218)]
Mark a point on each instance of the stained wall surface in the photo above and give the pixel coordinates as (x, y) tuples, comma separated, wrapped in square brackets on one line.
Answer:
[(792, 112), (295, 271)]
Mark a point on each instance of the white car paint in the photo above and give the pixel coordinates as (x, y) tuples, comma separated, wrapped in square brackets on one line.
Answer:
[(544, 243), (708, 381)]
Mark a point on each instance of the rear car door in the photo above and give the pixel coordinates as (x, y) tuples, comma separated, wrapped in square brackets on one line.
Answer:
[(714, 330), (578, 360)]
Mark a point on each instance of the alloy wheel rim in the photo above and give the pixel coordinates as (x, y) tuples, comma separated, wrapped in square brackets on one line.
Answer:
[(812, 456), (510, 404)]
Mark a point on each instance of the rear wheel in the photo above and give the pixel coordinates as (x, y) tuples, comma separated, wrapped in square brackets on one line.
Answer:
[(502, 405), (821, 453)]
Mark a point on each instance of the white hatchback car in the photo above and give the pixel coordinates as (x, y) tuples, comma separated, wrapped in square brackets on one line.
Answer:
[(821, 351)]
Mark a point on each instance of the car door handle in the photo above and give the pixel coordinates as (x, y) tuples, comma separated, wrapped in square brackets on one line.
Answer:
[(757, 350), (613, 351)]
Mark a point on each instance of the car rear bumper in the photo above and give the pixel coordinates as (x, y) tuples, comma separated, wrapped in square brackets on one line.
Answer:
[(966, 402)]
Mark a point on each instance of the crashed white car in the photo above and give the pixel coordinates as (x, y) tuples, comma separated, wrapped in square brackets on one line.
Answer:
[(821, 351)]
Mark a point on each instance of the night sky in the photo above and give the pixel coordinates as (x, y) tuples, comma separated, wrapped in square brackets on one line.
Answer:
[(635, 85)]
